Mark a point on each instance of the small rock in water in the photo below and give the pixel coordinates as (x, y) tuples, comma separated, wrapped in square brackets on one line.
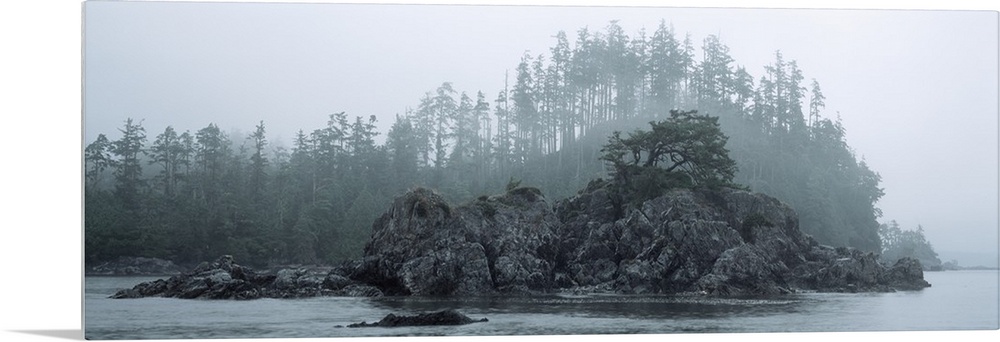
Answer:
[(444, 317)]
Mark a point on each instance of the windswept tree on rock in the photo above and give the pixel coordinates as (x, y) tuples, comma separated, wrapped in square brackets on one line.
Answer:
[(685, 150)]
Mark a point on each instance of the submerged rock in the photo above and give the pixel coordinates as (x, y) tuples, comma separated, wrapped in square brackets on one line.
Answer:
[(444, 317)]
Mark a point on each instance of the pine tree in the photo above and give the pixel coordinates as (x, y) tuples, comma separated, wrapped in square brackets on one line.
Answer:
[(212, 153), (97, 158), (503, 141), (403, 149), (666, 68), (463, 131), (166, 150), (127, 167), (526, 118), (483, 143), (816, 103), (363, 152), (715, 75), (423, 128), (562, 106), (258, 162)]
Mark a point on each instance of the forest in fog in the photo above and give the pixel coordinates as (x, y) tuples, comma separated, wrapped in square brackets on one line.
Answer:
[(189, 194)]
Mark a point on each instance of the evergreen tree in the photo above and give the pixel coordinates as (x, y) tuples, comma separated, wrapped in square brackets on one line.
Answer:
[(482, 140), (127, 167), (503, 145), (464, 131), (666, 68), (816, 103), (526, 119), (364, 154), (211, 155), (423, 128), (715, 75), (328, 149), (258, 162), (563, 101), (690, 148), (403, 148), (185, 156), (166, 150), (743, 90), (315, 202), (97, 158), (444, 108)]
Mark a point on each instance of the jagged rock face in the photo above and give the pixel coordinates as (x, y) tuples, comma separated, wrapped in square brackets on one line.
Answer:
[(665, 246), (722, 242), (849, 270), (418, 247), (516, 230), (906, 274), (498, 244)]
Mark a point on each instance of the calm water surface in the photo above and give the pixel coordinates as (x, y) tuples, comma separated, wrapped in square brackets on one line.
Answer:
[(958, 300)]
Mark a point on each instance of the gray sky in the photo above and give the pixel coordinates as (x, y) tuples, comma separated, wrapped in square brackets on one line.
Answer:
[(917, 90)]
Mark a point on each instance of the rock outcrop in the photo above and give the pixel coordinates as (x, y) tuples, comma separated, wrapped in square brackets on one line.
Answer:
[(722, 242), (444, 317), (498, 244), (225, 279), (136, 266)]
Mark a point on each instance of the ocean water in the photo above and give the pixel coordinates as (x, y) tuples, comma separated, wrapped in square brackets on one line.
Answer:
[(957, 300)]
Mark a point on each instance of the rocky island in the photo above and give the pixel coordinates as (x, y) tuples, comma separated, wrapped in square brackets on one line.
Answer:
[(714, 242), (669, 221)]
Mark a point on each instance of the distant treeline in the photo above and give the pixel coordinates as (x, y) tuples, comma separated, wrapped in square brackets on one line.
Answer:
[(191, 196), (899, 243)]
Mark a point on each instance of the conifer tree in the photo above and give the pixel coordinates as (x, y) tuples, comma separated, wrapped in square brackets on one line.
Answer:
[(127, 167), (97, 157)]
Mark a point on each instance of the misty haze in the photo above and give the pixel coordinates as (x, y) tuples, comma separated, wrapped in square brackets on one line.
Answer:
[(322, 170)]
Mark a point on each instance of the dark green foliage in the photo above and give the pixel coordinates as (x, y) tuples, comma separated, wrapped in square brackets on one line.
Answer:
[(645, 183), (683, 151), (207, 193)]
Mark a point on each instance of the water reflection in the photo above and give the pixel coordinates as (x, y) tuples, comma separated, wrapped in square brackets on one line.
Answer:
[(637, 307)]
